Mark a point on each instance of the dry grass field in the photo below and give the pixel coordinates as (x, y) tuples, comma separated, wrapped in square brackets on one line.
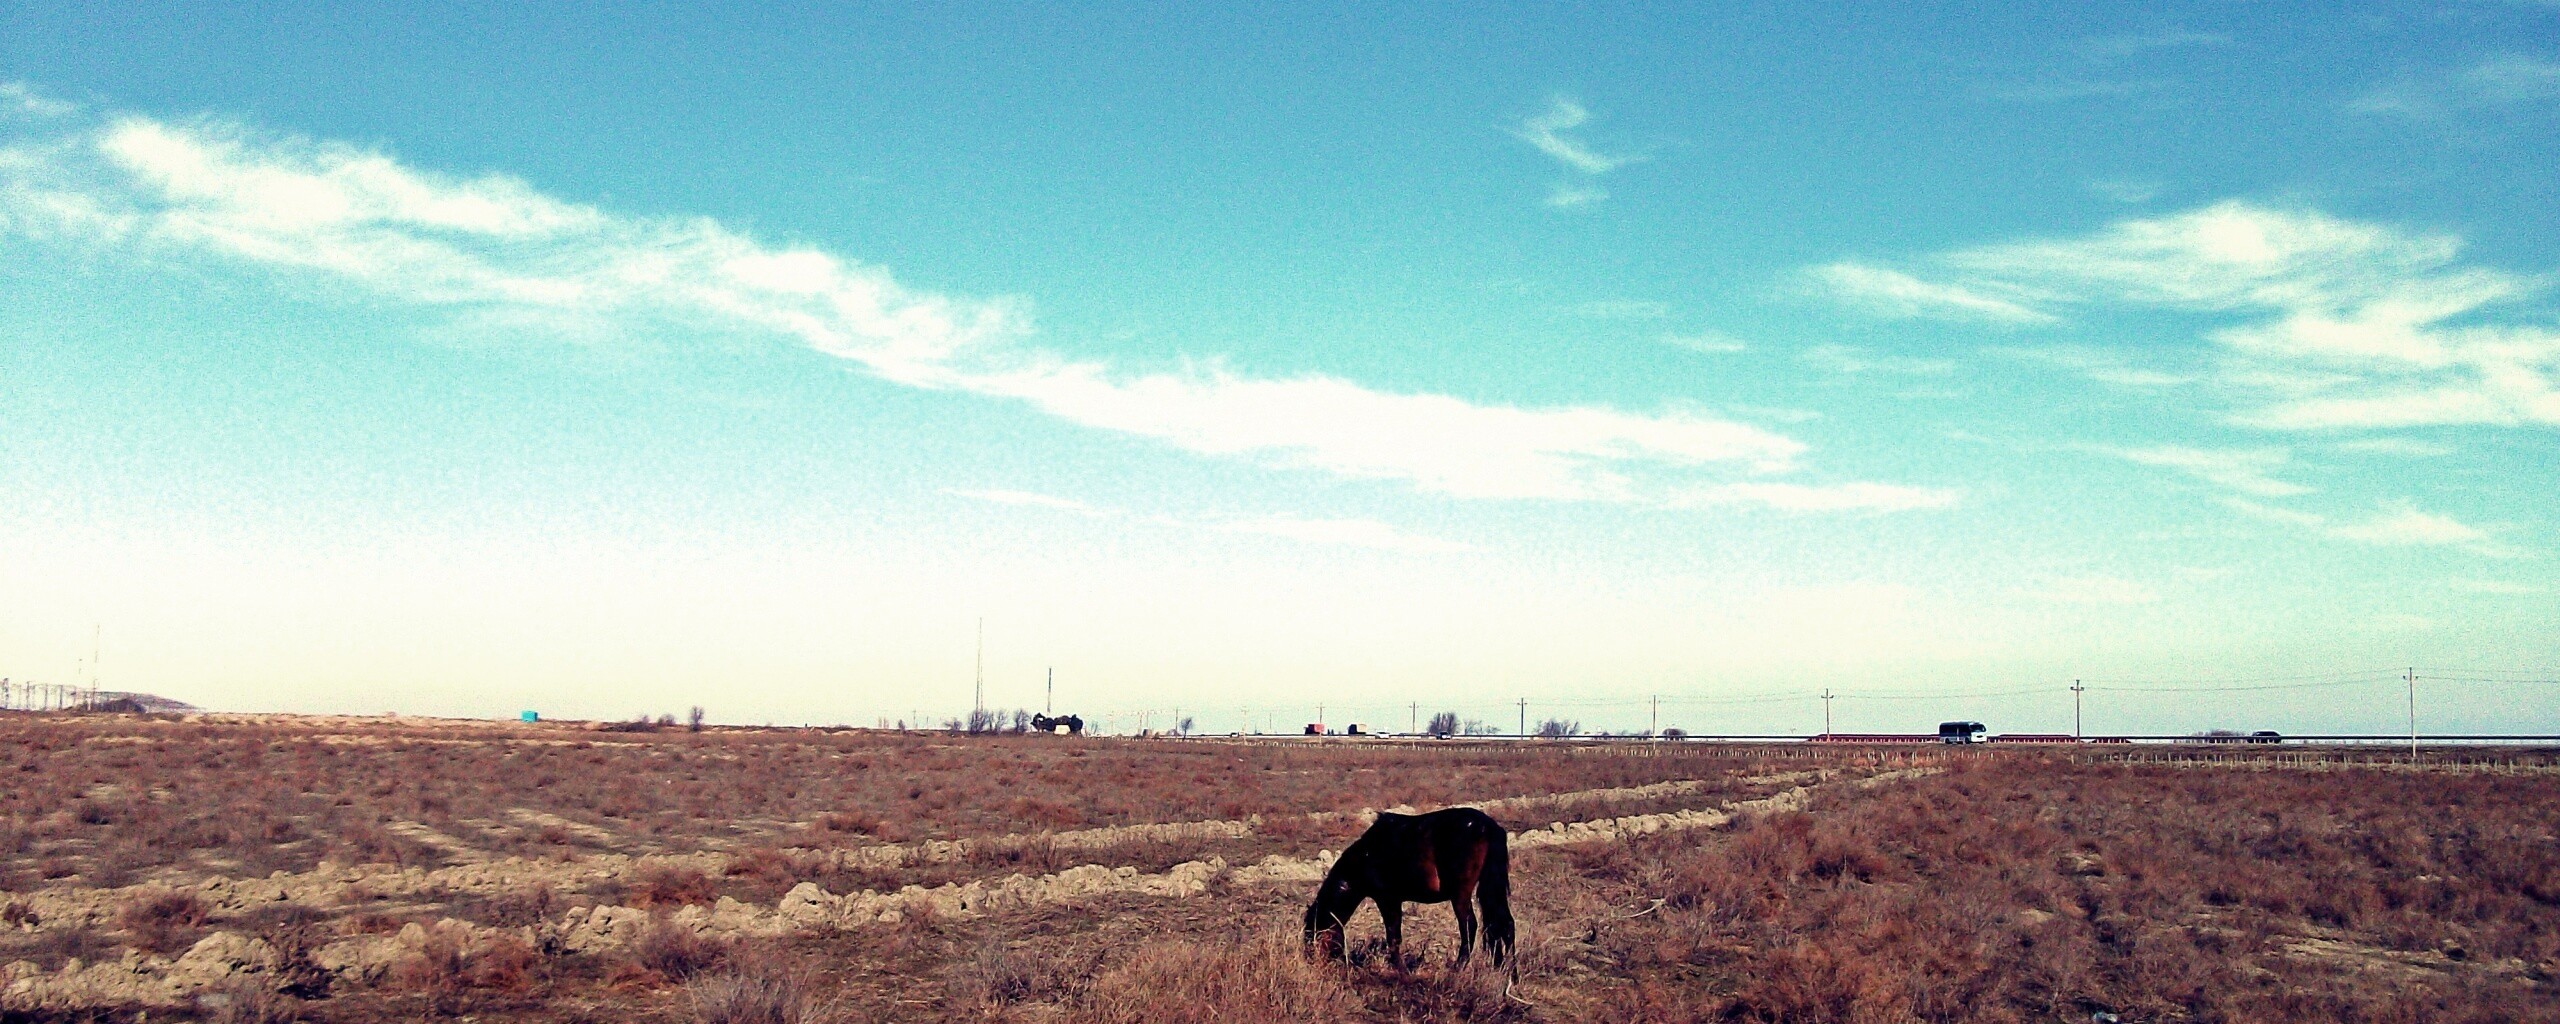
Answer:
[(275, 869)]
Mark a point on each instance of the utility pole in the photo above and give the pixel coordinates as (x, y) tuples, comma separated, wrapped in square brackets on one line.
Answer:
[(1049, 706), (1411, 712), (1826, 711), (1524, 718), (2076, 690), (978, 703), (1656, 730), (2413, 714)]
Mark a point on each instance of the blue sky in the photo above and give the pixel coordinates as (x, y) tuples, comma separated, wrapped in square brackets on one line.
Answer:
[(482, 359)]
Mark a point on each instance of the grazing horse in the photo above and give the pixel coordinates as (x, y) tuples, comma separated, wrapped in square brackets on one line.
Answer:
[(1460, 856)]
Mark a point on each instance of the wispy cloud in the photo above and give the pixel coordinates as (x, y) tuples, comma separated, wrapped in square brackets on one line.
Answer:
[(2508, 588), (2506, 80), (495, 246), (1850, 360), (1356, 533), (1033, 499), (2096, 364), (2340, 325), (1566, 196), (2096, 589), (1897, 294), (2400, 447), (1549, 132), (2127, 190), (1546, 131), (2398, 525), (2405, 527), (1846, 497), (23, 100), (1621, 309), (1359, 533), (2241, 470), (2120, 46), (1709, 342), (2064, 90)]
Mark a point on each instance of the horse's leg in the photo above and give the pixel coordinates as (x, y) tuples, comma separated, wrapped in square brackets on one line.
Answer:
[(1462, 899), (1391, 912), (1464, 905)]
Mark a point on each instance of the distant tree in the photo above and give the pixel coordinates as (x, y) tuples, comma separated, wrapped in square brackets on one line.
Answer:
[(1444, 724), (666, 721), (693, 719), (1021, 722), (1184, 726), (1476, 727), (954, 725), (1558, 728)]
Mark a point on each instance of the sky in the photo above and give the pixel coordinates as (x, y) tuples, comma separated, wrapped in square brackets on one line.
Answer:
[(1261, 366)]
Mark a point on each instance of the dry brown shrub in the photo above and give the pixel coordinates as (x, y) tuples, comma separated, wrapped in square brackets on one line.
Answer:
[(1035, 854), (244, 1001), (165, 922), (456, 972), (662, 885), (523, 905), (1236, 981), (295, 932), (998, 976), (755, 988), (675, 952)]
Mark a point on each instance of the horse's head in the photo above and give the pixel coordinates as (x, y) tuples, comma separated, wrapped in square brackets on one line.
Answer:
[(1332, 907)]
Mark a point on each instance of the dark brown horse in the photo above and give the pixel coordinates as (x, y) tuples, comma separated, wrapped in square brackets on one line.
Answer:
[(1460, 856)]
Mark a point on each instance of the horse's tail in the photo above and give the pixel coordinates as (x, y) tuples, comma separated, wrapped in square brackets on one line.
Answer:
[(1493, 896)]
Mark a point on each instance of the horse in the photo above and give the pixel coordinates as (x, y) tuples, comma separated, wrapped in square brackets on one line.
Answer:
[(1460, 856)]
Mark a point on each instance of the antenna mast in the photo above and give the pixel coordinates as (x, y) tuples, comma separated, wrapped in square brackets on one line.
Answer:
[(978, 701)]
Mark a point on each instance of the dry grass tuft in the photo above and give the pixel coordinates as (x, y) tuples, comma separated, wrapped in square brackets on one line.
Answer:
[(1236, 981), (675, 952), (165, 922), (755, 988)]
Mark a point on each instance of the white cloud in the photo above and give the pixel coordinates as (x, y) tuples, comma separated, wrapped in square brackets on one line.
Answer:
[(2397, 446), (1621, 309), (2127, 190), (22, 99), (2499, 587), (2098, 365), (1709, 342), (1566, 197), (1781, 414), (2064, 90), (1035, 500), (1849, 359), (1894, 293), (492, 246), (1847, 497), (1361, 533), (2095, 590), (2116, 47), (1546, 131), (2276, 514), (2394, 526), (2406, 527), (2505, 80), (2241, 470), (2339, 324)]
